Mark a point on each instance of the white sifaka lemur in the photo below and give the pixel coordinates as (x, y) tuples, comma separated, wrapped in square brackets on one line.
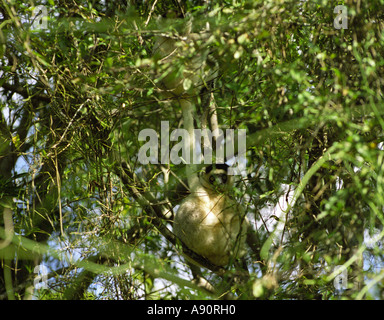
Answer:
[(208, 221)]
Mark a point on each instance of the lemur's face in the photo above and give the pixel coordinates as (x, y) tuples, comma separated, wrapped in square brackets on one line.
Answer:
[(215, 177)]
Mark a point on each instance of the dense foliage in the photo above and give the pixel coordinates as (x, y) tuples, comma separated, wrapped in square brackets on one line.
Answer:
[(79, 82)]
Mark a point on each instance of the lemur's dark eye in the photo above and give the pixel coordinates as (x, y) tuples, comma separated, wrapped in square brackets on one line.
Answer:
[(224, 178), (212, 179)]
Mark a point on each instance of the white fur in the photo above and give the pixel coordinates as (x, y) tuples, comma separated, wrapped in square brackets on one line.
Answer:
[(211, 224)]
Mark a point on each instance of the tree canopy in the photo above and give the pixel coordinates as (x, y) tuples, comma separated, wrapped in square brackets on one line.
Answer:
[(82, 218)]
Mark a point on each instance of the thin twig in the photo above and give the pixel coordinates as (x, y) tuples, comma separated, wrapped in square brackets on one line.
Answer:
[(67, 128), (150, 13)]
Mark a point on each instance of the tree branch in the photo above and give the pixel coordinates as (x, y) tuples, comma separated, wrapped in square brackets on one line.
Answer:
[(157, 213), (26, 94)]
